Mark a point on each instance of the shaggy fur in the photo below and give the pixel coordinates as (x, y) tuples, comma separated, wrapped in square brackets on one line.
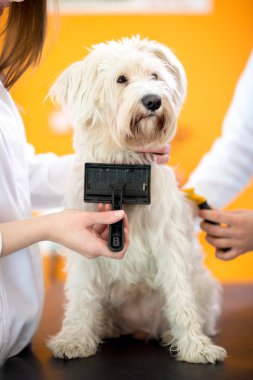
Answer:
[(161, 288)]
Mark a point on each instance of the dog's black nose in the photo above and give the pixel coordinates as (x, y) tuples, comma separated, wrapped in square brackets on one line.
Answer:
[(151, 102)]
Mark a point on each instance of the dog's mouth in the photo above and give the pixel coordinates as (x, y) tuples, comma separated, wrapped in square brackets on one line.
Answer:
[(138, 123), (151, 114), (147, 128)]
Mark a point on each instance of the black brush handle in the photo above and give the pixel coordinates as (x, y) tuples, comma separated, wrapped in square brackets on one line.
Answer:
[(205, 206), (116, 236), (116, 230)]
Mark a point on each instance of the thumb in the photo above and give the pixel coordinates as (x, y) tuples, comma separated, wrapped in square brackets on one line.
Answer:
[(107, 217)]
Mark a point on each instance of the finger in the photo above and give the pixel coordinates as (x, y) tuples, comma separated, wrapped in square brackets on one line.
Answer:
[(99, 228), (123, 252), (105, 231), (101, 207), (108, 207), (219, 243), (161, 159), (106, 217), (238, 211), (216, 230), (126, 236), (105, 234), (220, 217), (116, 255), (126, 223), (106, 252), (229, 255), (157, 149)]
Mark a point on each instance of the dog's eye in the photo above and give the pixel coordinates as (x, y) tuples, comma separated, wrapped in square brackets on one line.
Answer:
[(154, 76), (122, 79)]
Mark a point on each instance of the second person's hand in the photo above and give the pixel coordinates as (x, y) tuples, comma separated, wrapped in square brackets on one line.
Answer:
[(234, 229), (160, 152)]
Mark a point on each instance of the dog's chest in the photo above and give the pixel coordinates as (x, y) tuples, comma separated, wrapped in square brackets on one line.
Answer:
[(138, 266)]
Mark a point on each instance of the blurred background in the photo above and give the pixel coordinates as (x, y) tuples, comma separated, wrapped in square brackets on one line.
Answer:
[(213, 40)]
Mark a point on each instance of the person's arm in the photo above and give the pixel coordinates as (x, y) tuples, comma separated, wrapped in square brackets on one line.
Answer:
[(227, 168), (233, 229), (74, 229), (47, 178)]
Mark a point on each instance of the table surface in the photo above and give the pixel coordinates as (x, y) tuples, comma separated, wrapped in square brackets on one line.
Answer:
[(129, 359)]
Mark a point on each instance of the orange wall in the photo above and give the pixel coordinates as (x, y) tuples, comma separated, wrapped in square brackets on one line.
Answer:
[(213, 49)]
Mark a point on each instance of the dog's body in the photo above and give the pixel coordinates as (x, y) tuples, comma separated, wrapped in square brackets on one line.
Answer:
[(125, 95)]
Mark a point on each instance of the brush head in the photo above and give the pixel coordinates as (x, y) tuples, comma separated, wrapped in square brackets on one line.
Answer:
[(117, 184), (132, 180), (192, 196)]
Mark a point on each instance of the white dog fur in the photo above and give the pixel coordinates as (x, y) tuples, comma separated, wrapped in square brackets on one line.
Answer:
[(161, 287)]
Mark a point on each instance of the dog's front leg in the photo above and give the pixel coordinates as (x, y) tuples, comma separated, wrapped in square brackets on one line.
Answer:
[(174, 277), (79, 336), (83, 320)]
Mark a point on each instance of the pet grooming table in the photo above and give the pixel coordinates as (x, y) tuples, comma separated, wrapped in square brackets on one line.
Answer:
[(129, 359)]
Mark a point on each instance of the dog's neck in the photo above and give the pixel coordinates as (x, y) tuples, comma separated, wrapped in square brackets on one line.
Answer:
[(118, 156), (99, 151)]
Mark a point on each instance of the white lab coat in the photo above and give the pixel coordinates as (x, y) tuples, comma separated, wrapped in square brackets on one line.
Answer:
[(228, 167), (27, 181)]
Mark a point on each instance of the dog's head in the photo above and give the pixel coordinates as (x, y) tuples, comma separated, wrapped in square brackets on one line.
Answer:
[(130, 91)]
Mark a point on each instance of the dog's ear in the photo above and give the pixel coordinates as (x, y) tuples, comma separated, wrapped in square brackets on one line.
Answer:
[(74, 92), (66, 85), (171, 63)]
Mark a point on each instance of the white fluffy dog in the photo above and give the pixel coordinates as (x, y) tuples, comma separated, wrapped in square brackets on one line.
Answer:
[(124, 95)]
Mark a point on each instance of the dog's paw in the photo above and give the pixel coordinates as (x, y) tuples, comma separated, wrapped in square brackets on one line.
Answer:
[(71, 349), (208, 354), (201, 351)]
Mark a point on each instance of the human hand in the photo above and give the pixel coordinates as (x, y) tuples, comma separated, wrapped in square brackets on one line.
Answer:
[(102, 228), (160, 152), (86, 232), (234, 229)]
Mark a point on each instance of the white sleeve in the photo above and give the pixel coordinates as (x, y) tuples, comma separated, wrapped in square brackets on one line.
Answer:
[(48, 174), (1, 243), (228, 167)]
